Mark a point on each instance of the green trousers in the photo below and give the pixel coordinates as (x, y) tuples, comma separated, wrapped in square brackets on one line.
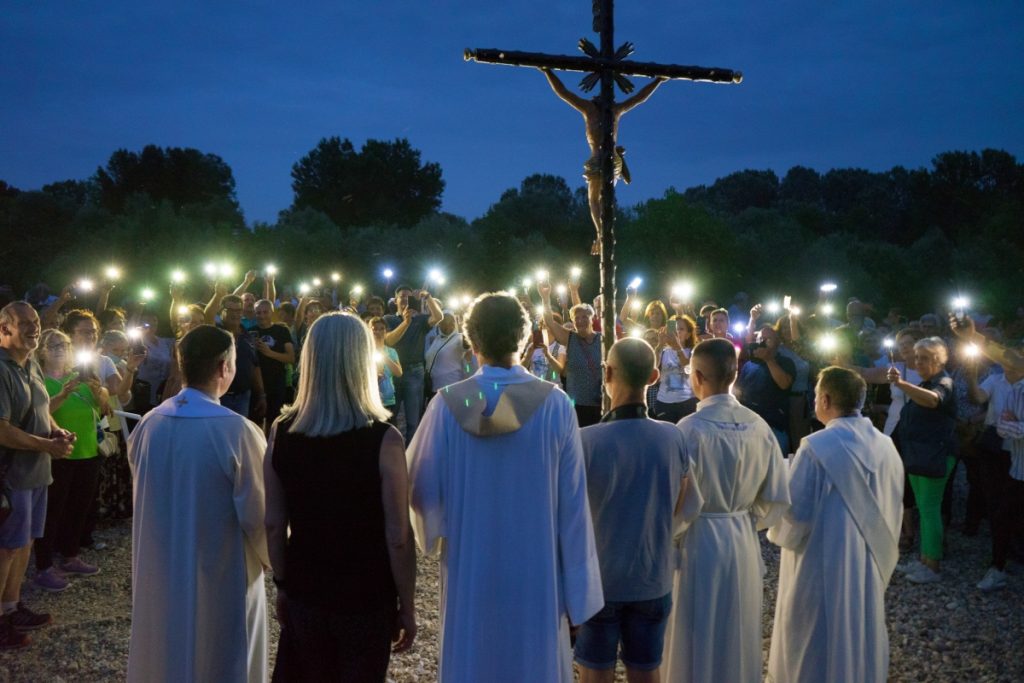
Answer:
[(928, 495)]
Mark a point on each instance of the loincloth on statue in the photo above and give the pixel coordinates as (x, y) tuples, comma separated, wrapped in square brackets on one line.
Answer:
[(592, 167)]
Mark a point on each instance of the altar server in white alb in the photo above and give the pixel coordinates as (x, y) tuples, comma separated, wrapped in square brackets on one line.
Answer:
[(737, 485), (499, 490), (839, 544), (199, 609)]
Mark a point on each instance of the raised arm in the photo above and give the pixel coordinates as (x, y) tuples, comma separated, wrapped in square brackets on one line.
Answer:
[(572, 99), (558, 333), (640, 97)]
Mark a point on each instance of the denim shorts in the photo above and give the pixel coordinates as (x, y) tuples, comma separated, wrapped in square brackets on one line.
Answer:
[(640, 626), (27, 519)]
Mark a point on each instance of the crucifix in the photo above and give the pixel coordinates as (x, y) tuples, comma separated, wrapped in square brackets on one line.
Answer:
[(609, 67)]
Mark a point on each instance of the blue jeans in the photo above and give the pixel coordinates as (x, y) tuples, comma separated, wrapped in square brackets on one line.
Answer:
[(640, 626), (409, 395), (237, 402), (782, 436)]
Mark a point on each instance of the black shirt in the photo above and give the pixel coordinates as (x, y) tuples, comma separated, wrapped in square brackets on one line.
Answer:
[(275, 337), (337, 554)]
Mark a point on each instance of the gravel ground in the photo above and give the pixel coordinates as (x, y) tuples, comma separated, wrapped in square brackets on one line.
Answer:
[(942, 632)]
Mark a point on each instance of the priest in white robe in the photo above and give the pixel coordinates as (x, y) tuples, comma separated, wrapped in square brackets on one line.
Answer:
[(737, 486), (198, 542), (839, 544), (499, 491)]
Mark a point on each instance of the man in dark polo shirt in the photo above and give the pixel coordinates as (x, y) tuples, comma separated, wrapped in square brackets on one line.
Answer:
[(407, 335), (28, 439), (248, 383), (274, 344), (763, 384)]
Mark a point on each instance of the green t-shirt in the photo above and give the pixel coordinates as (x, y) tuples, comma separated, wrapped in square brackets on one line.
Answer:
[(77, 414)]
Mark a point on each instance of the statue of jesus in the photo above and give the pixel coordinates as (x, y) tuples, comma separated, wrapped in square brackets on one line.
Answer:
[(592, 117)]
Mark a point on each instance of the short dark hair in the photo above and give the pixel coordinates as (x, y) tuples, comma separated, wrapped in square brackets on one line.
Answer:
[(722, 357), (108, 315), (76, 316), (401, 288), (846, 388), (288, 307), (496, 324), (200, 352), (230, 299), (376, 300)]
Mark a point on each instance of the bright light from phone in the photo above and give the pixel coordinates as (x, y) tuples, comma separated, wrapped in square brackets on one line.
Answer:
[(541, 275), (317, 282), (436, 276), (178, 276), (828, 343), (527, 282), (827, 309), (335, 277), (961, 302), (773, 307), (575, 272), (635, 283), (148, 294), (84, 357), (378, 357), (210, 269), (637, 333), (85, 285), (184, 310), (357, 290), (972, 351), (636, 305), (683, 290), (829, 287), (226, 270), (539, 310), (739, 328), (112, 273), (794, 310), (888, 343), (303, 288), (271, 269), (466, 299), (560, 290)]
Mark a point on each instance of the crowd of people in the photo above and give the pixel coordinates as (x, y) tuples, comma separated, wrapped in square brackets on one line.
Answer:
[(613, 503)]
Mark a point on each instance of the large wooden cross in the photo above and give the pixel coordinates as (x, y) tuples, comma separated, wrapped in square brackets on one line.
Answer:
[(609, 67)]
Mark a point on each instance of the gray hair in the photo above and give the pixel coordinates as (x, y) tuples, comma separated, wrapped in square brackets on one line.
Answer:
[(338, 389), (111, 337), (934, 346)]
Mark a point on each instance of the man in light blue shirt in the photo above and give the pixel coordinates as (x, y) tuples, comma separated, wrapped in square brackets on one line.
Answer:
[(636, 472)]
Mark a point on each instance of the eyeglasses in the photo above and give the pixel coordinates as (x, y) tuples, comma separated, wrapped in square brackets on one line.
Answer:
[(57, 346)]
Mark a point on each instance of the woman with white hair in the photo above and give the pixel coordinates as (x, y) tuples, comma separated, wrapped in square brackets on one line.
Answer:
[(336, 479), (928, 444)]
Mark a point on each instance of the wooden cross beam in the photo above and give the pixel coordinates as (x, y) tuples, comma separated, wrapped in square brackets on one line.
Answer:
[(609, 67)]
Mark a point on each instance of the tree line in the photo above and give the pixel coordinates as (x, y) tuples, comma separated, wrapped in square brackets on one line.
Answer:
[(905, 237)]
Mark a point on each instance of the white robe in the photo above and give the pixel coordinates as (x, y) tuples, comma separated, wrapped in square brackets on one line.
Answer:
[(830, 614), (199, 610), (509, 516), (737, 484)]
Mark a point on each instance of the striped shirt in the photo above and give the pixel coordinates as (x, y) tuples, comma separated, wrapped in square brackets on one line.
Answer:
[(1013, 429), (583, 372)]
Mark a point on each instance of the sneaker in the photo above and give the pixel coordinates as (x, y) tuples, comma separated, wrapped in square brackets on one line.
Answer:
[(77, 565), (23, 619), (910, 567), (993, 580), (924, 575), (11, 639), (50, 580)]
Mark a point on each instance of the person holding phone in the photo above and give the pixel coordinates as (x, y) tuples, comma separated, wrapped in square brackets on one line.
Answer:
[(675, 398), (77, 400)]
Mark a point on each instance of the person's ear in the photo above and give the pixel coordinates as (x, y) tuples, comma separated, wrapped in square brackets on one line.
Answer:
[(655, 375), (607, 374)]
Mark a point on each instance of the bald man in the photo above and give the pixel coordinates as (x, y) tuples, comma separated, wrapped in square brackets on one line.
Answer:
[(636, 471)]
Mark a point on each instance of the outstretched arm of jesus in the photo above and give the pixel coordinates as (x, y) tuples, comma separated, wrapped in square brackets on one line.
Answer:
[(640, 97), (567, 96)]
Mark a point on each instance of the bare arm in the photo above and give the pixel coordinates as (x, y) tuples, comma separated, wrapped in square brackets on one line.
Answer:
[(974, 392), (919, 395), (394, 478), (219, 292), (556, 366), (395, 335), (104, 298), (436, 314), (393, 365), (250, 277), (49, 316), (626, 312), (566, 95), (269, 289), (639, 98), (18, 439), (558, 333)]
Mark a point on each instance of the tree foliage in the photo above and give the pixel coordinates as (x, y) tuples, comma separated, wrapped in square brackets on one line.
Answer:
[(383, 183)]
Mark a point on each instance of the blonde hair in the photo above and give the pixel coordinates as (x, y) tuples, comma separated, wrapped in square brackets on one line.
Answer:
[(338, 388), (42, 353)]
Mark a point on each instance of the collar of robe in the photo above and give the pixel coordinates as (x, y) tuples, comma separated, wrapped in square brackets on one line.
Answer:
[(521, 396), (192, 403), (629, 411)]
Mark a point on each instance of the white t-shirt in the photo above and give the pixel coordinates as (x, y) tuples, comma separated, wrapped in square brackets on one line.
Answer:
[(675, 383)]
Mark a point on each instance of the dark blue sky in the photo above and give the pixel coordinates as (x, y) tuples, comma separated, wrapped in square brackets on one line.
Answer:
[(851, 84)]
